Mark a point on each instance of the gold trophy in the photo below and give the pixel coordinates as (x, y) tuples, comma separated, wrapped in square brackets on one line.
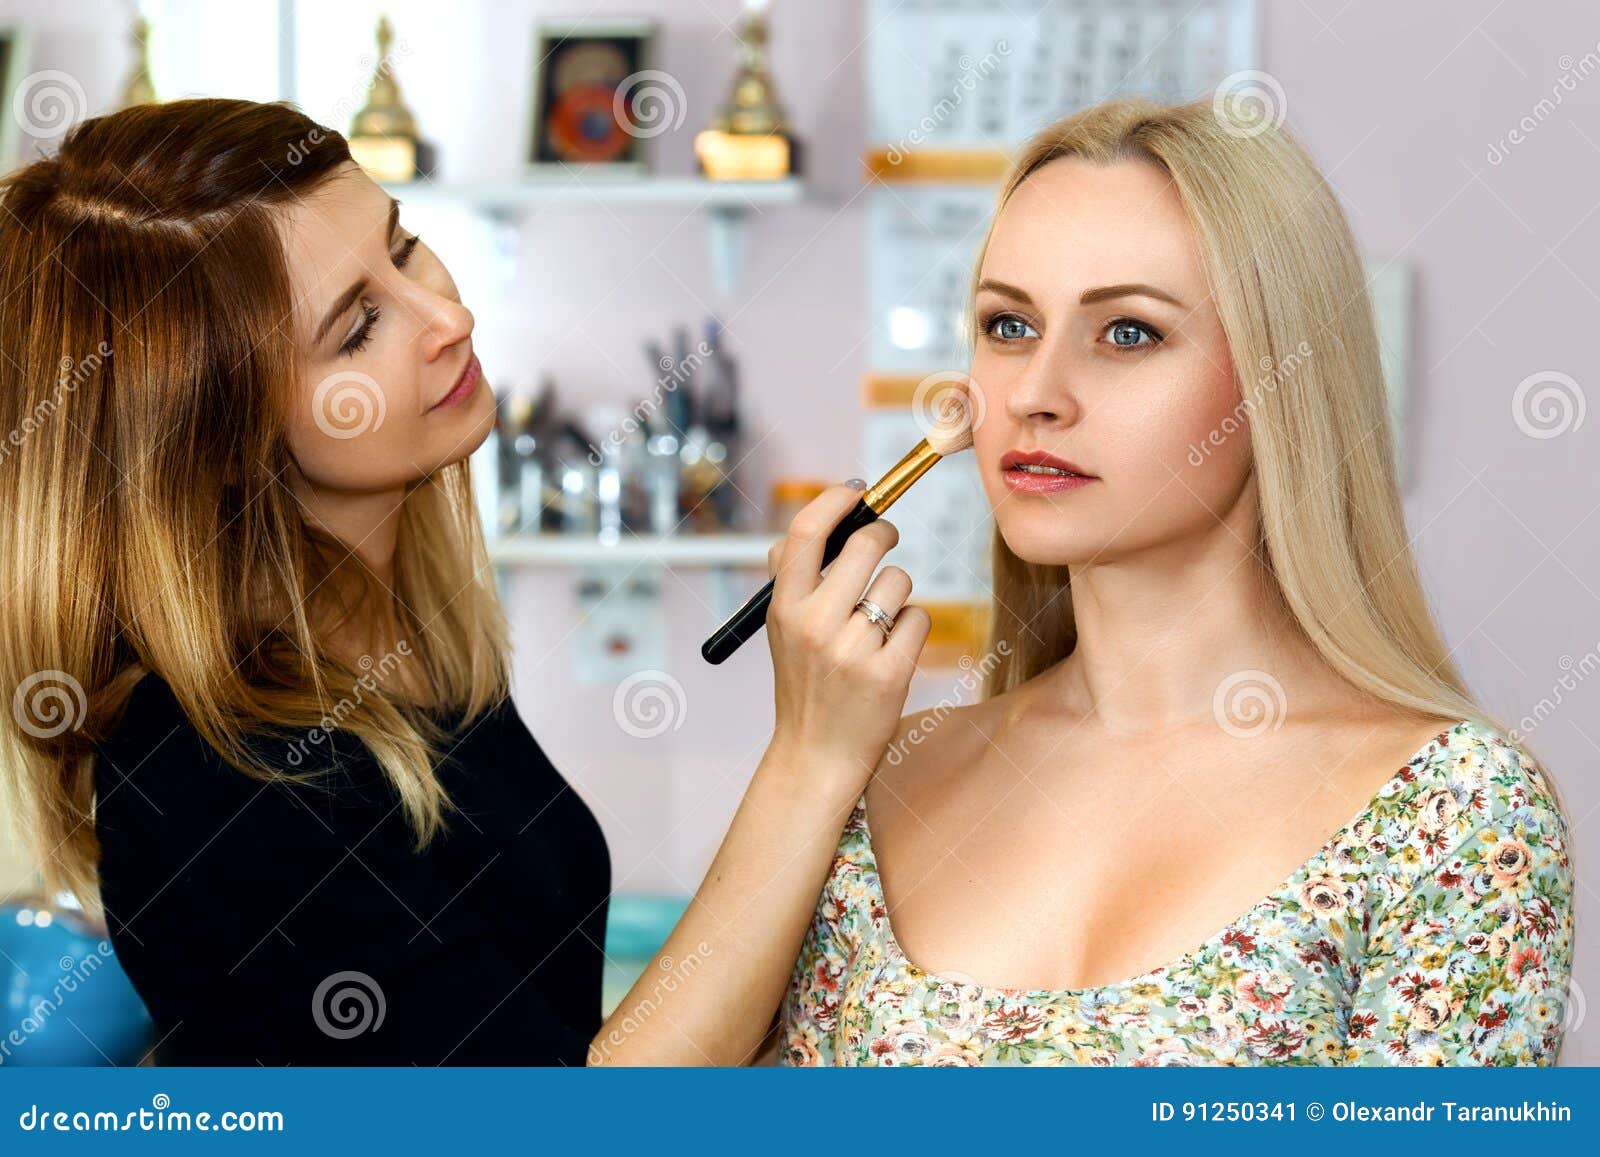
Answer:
[(383, 137), (749, 139)]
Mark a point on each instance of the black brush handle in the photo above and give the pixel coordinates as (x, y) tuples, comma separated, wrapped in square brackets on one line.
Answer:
[(751, 617)]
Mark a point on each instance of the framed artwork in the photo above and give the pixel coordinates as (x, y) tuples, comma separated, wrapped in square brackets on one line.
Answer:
[(586, 81)]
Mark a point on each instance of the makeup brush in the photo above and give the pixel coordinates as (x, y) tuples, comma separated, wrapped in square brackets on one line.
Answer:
[(951, 433)]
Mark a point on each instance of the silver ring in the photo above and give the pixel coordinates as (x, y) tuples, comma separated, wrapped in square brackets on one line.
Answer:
[(877, 616)]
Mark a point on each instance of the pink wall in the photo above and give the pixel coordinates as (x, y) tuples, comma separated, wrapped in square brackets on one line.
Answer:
[(1399, 102), (1402, 105)]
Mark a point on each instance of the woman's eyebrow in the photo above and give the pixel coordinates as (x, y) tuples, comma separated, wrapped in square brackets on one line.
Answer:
[(1131, 289), (348, 298), (1089, 296), (345, 301), (1007, 289)]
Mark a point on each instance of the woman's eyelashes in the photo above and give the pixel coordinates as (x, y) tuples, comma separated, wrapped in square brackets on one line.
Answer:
[(1008, 327), (1127, 333), (370, 313), (1122, 326), (363, 332)]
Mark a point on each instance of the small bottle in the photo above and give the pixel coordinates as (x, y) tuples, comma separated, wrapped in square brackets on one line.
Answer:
[(530, 486), (661, 475), (719, 391), (579, 510), (606, 457)]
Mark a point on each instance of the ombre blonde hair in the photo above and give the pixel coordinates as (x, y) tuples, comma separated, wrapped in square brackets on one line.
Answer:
[(150, 363), (1284, 270)]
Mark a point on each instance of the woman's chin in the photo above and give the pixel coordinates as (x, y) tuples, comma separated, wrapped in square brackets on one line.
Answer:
[(470, 428), (1040, 547)]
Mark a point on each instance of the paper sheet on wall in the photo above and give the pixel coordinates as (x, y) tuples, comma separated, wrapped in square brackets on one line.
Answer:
[(988, 73)]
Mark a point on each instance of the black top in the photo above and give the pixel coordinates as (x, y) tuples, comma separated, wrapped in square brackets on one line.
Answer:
[(276, 923)]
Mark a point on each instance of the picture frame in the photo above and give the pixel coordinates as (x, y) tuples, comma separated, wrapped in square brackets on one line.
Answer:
[(578, 68)]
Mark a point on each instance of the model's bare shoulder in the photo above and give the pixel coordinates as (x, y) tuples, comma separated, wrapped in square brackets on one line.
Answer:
[(932, 745)]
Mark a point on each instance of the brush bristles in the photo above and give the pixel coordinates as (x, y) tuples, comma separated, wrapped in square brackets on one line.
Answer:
[(950, 439)]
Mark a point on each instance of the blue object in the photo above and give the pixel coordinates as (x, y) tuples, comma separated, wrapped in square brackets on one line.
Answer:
[(64, 999), (637, 925)]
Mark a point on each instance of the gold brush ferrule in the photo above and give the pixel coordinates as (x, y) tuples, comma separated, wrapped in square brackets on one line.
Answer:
[(883, 493)]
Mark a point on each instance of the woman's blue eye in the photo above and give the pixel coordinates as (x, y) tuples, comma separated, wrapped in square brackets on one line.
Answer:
[(1131, 330), (1008, 327)]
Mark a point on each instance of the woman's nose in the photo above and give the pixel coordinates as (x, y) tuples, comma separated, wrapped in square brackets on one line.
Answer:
[(1043, 392), (447, 322)]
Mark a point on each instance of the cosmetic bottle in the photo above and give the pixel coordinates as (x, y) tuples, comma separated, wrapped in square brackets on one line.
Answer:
[(606, 457), (579, 510), (661, 475), (717, 390)]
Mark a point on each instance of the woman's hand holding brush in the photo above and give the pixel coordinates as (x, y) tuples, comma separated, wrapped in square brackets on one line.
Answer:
[(948, 432), (841, 684), (844, 648), (840, 677)]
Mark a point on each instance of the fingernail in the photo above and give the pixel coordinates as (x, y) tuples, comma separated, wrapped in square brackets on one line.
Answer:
[(856, 483)]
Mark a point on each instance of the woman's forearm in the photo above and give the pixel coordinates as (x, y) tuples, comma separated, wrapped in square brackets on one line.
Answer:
[(839, 682), (709, 996)]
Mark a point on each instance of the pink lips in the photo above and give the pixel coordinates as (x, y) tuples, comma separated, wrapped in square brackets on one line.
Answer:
[(1021, 481), (465, 384)]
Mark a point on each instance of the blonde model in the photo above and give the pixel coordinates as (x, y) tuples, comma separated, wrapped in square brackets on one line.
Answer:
[(1226, 801)]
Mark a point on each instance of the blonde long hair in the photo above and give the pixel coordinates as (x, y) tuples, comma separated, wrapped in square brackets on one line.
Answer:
[(1284, 270), (149, 362)]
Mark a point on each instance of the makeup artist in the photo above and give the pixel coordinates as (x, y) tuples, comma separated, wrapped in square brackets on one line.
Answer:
[(258, 666), (257, 661)]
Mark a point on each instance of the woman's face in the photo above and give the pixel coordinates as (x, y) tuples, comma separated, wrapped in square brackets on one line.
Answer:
[(1098, 344), (390, 390)]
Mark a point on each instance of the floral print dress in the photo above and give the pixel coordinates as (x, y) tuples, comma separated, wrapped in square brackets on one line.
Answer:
[(1433, 929)]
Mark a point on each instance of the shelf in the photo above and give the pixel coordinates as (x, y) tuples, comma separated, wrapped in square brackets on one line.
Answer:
[(727, 205), (679, 550), (509, 197)]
